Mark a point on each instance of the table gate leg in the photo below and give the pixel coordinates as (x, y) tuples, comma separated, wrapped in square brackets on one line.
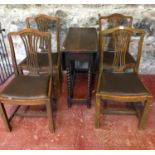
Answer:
[(69, 86), (89, 86), (72, 77)]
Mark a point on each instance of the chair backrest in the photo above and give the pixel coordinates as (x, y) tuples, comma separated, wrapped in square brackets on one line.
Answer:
[(111, 21), (115, 20), (46, 23), (31, 39), (122, 37)]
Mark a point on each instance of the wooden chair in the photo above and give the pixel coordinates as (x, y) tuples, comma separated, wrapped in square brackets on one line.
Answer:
[(33, 88), (119, 85), (50, 24), (111, 21)]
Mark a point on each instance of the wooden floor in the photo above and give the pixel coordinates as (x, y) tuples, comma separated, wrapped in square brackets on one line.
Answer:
[(75, 126)]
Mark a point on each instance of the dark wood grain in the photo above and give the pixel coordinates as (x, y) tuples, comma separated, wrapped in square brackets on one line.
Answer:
[(81, 40)]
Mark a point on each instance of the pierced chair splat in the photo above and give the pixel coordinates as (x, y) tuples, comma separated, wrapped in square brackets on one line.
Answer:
[(108, 22)]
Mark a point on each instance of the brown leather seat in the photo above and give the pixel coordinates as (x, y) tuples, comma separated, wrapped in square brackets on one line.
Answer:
[(27, 87), (122, 84), (108, 58), (43, 60)]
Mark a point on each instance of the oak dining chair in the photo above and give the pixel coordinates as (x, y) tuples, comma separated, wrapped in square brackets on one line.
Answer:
[(117, 84), (33, 88), (45, 23)]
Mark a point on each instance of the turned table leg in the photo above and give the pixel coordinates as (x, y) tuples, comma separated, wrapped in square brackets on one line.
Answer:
[(69, 86), (89, 86)]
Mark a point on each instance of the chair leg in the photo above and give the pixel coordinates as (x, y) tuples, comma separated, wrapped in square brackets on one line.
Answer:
[(97, 119), (96, 81), (50, 116), (54, 95), (57, 82), (144, 114), (4, 117), (60, 80), (20, 70), (103, 106)]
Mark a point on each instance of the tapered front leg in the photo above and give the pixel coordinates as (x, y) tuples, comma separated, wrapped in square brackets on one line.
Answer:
[(97, 117), (50, 116), (144, 113), (4, 117)]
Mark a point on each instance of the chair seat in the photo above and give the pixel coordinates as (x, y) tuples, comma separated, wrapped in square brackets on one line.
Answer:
[(122, 84), (27, 87), (43, 60), (109, 57)]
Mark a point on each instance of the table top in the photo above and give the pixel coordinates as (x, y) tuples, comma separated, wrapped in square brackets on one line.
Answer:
[(80, 40)]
